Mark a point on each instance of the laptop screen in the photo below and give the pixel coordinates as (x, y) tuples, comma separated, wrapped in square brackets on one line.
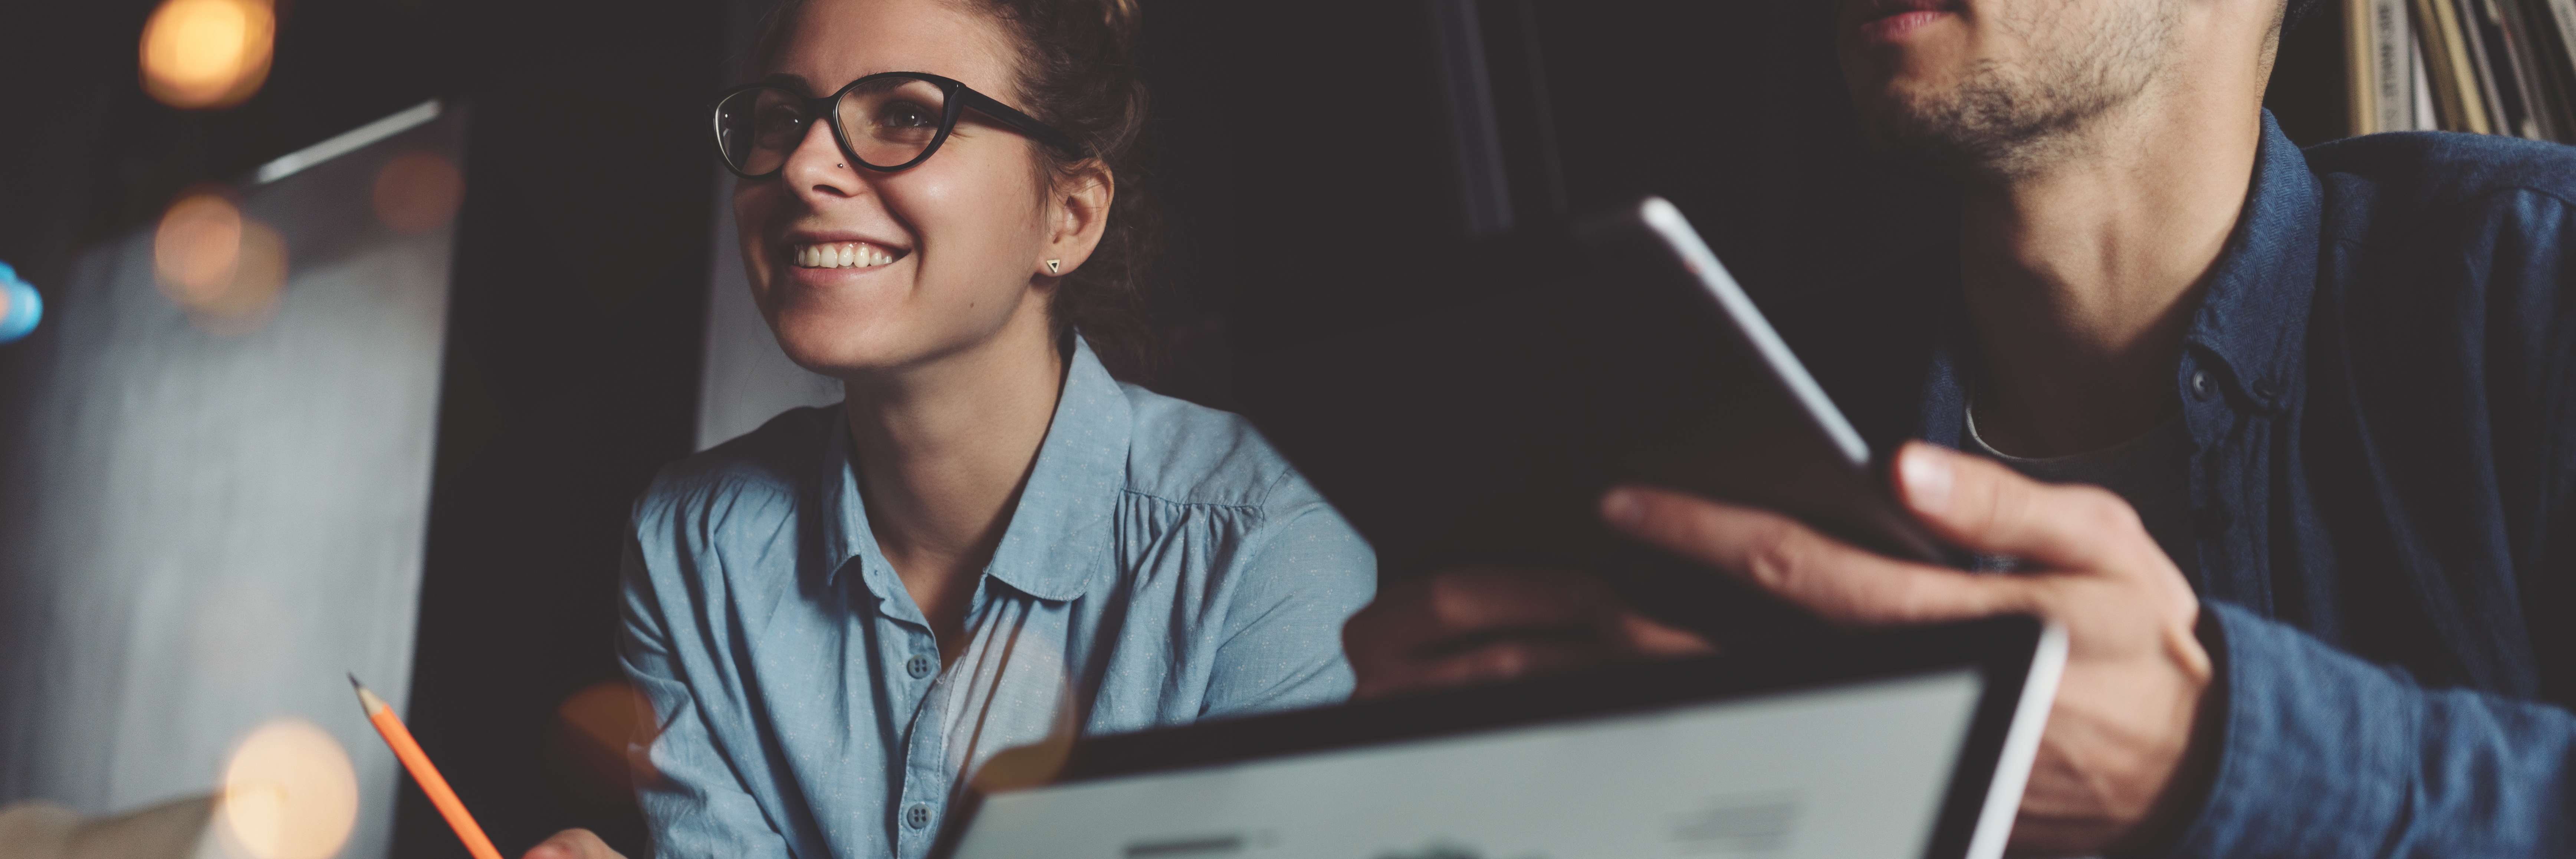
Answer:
[(1851, 772)]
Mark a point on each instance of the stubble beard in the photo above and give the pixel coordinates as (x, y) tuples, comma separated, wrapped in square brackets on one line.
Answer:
[(2009, 118)]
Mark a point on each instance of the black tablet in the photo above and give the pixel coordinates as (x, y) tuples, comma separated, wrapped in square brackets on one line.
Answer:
[(1894, 745), (1758, 429), (1484, 430)]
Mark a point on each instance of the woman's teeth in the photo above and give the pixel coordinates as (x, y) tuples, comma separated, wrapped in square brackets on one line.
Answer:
[(841, 255)]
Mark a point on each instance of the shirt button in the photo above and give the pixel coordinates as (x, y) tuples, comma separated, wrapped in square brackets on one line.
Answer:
[(917, 816), (2201, 389), (919, 666)]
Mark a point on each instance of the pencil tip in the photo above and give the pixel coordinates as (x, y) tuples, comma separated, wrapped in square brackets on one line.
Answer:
[(367, 699), (353, 681)]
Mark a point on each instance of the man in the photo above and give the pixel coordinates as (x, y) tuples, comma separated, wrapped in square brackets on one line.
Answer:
[(2326, 611)]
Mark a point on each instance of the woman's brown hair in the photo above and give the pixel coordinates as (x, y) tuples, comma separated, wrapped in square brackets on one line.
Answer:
[(1078, 74)]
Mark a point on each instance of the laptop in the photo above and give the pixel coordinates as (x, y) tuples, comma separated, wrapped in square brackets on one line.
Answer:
[(1887, 745)]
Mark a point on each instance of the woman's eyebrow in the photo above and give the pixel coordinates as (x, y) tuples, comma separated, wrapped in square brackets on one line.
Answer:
[(788, 81)]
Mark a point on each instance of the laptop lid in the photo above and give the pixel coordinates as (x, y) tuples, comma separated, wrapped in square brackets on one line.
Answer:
[(1913, 743)]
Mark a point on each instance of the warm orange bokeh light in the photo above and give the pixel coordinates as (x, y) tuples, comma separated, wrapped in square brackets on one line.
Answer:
[(208, 53), (197, 247), (225, 269), (257, 280), (417, 192), (608, 719), (290, 792)]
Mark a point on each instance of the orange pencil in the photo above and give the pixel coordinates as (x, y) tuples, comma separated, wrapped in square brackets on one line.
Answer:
[(431, 782)]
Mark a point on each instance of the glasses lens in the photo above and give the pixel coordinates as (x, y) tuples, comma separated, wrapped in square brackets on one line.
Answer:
[(756, 128), (891, 121)]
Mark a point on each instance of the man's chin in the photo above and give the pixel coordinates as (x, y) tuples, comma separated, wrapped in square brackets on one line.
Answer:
[(1914, 134)]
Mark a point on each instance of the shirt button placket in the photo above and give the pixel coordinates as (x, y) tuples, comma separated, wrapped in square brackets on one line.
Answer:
[(924, 778)]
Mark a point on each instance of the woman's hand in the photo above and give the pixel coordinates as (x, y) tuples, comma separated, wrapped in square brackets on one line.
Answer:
[(573, 844)]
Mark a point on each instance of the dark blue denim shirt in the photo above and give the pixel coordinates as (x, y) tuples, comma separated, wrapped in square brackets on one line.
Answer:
[(2377, 385)]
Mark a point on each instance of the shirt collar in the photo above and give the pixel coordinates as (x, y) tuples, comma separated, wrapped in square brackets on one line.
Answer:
[(1060, 530), (2253, 317)]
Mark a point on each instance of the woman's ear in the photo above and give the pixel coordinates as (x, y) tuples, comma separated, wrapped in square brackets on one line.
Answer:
[(1078, 215)]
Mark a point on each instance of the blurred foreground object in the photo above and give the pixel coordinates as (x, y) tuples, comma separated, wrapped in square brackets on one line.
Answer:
[(211, 506), (20, 307), (173, 830), (290, 792), (208, 53)]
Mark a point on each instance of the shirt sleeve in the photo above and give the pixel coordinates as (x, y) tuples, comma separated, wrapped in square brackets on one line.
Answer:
[(694, 802), (1281, 644), (2324, 754)]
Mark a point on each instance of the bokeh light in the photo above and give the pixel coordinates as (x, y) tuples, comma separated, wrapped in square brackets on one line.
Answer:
[(208, 53), (197, 245), (224, 268), (417, 192), (257, 279), (290, 792), (605, 720), (1026, 743)]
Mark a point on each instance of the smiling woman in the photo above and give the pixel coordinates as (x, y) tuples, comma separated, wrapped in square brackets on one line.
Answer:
[(1073, 64), (838, 618)]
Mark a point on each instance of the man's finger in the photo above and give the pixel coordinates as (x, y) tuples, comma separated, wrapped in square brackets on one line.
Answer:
[(1420, 614), (1979, 505), (1488, 663), (1644, 636), (1831, 578)]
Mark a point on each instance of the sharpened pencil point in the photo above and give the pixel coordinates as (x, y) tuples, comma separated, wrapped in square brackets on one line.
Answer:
[(367, 699)]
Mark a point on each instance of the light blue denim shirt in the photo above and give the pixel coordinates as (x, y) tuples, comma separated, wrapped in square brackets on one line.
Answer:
[(1164, 565)]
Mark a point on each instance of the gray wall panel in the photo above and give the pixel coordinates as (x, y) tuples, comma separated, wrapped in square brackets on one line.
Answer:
[(748, 380)]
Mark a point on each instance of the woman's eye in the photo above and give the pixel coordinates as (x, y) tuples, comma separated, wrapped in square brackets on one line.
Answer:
[(907, 115)]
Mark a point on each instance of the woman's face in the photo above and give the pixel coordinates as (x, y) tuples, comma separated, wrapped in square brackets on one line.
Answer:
[(966, 231)]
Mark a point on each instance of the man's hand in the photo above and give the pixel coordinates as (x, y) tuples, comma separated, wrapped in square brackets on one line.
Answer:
[(1471, 625), (2135, 675), (2126, 709), (572, 844)]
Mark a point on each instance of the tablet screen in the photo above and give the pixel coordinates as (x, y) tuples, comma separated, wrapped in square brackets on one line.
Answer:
[(1852, 772)]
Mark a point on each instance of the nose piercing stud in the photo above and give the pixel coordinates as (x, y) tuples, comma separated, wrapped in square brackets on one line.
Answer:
[(1055, 266), (842, 166)]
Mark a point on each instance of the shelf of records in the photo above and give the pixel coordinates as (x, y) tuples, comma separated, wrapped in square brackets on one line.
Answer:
[(2484, 66)]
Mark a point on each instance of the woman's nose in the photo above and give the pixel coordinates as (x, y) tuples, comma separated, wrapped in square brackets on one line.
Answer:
[(816, 165)]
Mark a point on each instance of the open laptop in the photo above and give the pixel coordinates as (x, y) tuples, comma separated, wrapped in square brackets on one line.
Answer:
[(1908, 744)]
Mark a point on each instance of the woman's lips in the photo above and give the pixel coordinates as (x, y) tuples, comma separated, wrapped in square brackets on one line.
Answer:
[(1895, 28)]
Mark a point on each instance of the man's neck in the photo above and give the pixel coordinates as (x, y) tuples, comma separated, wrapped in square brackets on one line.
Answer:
[(2081, 276), (944, 450)]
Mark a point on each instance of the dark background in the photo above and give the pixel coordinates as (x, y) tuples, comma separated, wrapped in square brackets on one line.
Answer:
[(1309, 160)]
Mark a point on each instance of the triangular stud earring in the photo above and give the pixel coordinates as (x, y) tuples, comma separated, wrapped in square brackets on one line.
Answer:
[(1055, 266)]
